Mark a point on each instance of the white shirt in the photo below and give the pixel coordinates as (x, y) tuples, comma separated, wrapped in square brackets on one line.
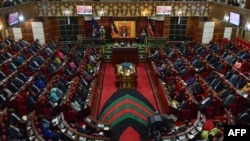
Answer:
[(76, 106)]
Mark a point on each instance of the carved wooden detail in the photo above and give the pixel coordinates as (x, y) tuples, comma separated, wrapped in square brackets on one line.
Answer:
[(122, 9)]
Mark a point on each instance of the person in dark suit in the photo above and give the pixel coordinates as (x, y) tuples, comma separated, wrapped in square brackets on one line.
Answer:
[(17, 82), (13, 117), (206, 103), (44, 123), (51, 134), (241, 83), (9, 40), (184, 127), (171, 86), (219, 85), (15, 133), (181, 96), (22, 76), (244, 118), (30, 102), (234, 79), (84, 82), (81, 127), (2, 76), (3, 102), (229, 99)]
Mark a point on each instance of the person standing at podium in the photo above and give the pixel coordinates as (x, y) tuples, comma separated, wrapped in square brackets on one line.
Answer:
[(143, 36), (102, 34)]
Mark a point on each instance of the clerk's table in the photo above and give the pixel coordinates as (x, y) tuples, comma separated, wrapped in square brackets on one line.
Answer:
[(126, 75)]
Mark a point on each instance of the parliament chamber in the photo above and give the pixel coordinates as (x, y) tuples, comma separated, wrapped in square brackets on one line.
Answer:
[(53, 60)]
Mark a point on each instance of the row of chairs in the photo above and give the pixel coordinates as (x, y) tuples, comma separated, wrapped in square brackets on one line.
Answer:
[(22, 93), (211, 68)]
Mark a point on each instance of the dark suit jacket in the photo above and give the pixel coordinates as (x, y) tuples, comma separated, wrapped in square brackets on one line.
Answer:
[(14, 132), (22, 76), (14, 118), (205, 103), (2, 76), (229, 99)]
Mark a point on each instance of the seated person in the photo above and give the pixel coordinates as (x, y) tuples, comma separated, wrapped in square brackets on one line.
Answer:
[(209, 79), (22, 76), (241, 82), (3, 102), (171, 86), (30, 101), (80, 127), (229, 99), (15, 133), (244, 118), (206, 103), (51, 68), (62, 84), (122, 44), (51, 135), (224, 92), (84, 83), (196, 88), (238, 64), (40, 84), (2, 76), (55, 95), (44, 123), (14, 119), (72, 65), (246, 89), (75, 105), (179, 100), (183, 127), (215, 132), (35, 90), (40, 60), (156, 54), (42, 77)]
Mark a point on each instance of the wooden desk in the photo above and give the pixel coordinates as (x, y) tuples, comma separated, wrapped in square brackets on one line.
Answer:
[(124, 80), (191, 132), (72, 134), (124, 39), (124, 54)]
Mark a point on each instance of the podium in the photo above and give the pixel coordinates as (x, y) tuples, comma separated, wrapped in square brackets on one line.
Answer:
[(126, 77)]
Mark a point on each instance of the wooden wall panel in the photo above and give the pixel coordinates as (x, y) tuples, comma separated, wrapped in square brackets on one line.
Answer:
[(192, 24), (166, 26), (82, 25), (158, 25), (141, 23)]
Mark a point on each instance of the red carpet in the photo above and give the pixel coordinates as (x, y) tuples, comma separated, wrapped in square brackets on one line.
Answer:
[(129, 135), (143, 87), (109, 88), (108, 84)]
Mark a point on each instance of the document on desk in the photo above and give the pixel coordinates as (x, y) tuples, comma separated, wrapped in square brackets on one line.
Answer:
[(70, 133), (82, 139), (100, 125)]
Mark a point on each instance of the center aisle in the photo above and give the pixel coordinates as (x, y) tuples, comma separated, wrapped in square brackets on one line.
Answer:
[(109, 84), (145, 105), (108, 87)]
